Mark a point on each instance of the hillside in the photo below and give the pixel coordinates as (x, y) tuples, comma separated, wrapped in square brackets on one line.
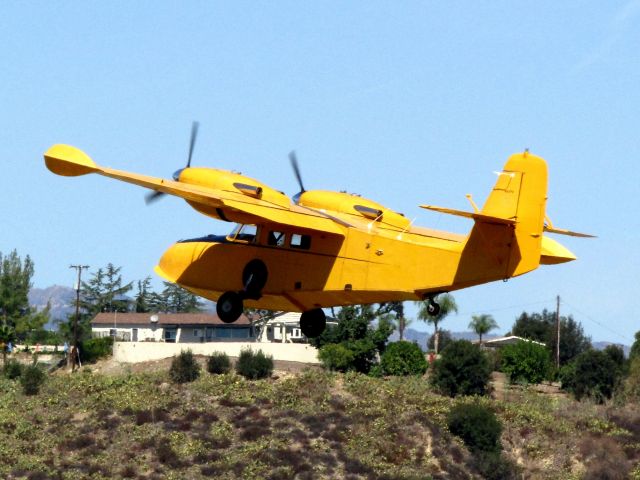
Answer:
[(306, 425)]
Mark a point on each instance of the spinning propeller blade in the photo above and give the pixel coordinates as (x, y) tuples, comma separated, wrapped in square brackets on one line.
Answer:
[(153, 196), (296, 169)]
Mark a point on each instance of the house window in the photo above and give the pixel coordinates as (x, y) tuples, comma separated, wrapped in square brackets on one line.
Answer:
[(223, 332), (196, 332), (209, 333), (242, 332), (302, 242), (170, 335)]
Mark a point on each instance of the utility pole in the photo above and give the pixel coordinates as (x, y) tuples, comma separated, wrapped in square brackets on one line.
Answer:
[(558, 331), (79, 269)]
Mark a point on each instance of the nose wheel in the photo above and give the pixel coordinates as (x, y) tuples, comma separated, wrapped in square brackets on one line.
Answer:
[(313, 323)]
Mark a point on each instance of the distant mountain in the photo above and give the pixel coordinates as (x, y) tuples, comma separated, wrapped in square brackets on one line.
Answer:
[(603, 345), (61, 299)]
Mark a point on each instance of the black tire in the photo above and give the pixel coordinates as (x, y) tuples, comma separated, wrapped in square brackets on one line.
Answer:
[(254, 278), (433, 309), (313, 323), (229, 307)]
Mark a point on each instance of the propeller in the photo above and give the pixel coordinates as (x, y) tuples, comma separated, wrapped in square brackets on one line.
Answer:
[(296, 169), (153, 196)]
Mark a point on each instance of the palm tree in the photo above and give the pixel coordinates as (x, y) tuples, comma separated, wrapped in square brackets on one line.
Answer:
[(447, 305), (401, 324), (482, 324)]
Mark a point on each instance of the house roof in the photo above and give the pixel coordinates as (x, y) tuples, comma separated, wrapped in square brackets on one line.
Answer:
[(144, 319), (502, 341)]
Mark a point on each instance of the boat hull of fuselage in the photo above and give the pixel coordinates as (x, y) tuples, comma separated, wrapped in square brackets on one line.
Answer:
[(359, 269)]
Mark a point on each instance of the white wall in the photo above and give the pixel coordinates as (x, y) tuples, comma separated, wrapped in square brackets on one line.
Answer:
[(134, 352)]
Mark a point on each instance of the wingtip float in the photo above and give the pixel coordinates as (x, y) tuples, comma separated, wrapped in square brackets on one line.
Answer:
[(326, 248)]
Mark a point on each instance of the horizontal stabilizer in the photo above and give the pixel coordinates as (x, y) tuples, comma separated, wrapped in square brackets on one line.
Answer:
[(475, 216), (560, 231)]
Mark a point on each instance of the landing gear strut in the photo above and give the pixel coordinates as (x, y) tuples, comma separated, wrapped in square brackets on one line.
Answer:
[(313, 323)]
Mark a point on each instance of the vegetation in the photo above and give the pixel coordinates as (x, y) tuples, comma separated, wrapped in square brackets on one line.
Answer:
[(31, 379), (525, 362), (542, 328), (12, 369), (482, 324), (96, 348), (184, 367), (447, 305), (593, 374), (218, 363), (477, 425), (313, 424), (463, 369), (360, 342), (403, 358), (444, 339), (254, 365)]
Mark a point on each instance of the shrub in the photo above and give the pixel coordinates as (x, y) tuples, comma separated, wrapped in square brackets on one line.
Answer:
[(632, 383), (184, 367), (526, 361), (592, 374), (254, 366), (463, 369), (336, 356), (31, 379), (218, 363), (403, 358), (12, 369), (95, 348), (476, 425)]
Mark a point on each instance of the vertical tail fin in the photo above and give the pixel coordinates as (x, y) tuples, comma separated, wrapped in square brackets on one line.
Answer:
[(520, 194)]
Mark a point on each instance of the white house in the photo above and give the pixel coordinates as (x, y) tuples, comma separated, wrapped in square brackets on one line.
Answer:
[(170, 327), (283, 327)]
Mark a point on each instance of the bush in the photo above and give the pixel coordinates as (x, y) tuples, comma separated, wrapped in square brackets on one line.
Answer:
[(592, 375), (12, 369), (184, 367), (403, 358), (336, 356), (463, 369), (218, 363), (526, 361), (96, 348), (254, 366), (476, 425), (31, 379)]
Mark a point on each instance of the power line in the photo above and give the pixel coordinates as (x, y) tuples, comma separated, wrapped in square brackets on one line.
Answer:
[(597, 322)]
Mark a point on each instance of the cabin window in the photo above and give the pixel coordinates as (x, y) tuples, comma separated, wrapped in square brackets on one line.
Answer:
[(302, 242), (244, 233), (276, 239), (170, 335)]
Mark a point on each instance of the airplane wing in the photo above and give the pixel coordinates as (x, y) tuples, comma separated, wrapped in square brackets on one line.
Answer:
[(69, 161)]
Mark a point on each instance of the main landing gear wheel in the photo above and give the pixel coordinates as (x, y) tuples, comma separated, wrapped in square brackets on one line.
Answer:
[(433, 308), (313, 323), (229, 307), (254, 278)]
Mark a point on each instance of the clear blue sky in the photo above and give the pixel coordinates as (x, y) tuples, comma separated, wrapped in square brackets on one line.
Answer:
[(402, 102)]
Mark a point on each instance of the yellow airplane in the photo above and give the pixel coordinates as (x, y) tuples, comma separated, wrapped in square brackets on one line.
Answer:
[(329, 248)]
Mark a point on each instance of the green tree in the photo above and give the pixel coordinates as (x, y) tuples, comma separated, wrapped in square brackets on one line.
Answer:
[(175, 299), (105, 292), (462, 369), (144, 296), (356, 333), (447, 305), (15, 283), (542, 328), (525, 361), (31, 324), (444, 338), (635, 348), (482, 324), (403, 358), (7, 334), (592, 374)]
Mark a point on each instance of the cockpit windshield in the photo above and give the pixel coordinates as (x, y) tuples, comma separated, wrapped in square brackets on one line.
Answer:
[(244, 233)]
